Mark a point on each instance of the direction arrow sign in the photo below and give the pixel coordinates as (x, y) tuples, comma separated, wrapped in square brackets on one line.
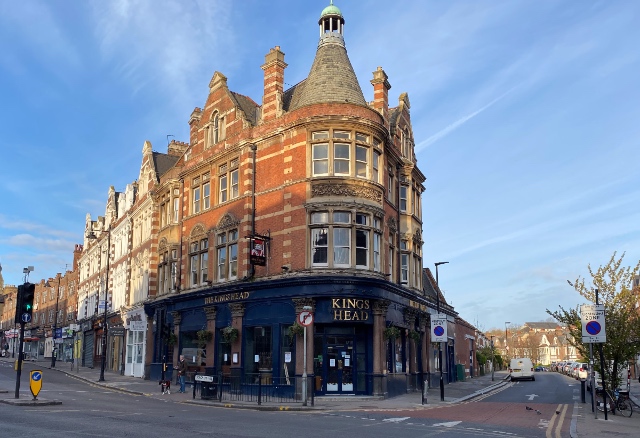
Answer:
[(35, 382), (26, 317), (593, 323)]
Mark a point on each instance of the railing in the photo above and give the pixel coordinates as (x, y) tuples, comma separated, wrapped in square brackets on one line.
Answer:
[(257, 388)]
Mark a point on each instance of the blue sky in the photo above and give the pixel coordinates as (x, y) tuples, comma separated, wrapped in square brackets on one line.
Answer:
[(525, 116)]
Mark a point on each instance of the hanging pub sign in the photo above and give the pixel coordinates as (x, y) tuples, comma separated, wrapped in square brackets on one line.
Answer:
[(258, 256)]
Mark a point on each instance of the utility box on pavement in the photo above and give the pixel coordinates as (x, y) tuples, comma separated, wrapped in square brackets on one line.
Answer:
[(460, 371)]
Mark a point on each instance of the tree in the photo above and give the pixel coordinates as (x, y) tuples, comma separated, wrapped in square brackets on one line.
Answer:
[(622, 321)]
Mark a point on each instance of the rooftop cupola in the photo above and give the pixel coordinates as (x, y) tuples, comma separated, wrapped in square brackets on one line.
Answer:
[(331, 79), (331, 25)]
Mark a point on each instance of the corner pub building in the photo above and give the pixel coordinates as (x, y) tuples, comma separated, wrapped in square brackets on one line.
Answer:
[(311, 200)]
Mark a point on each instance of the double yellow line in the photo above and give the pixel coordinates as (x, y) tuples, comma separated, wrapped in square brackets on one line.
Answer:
[(560, 417)]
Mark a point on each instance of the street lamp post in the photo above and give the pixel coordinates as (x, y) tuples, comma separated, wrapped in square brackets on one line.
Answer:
[(104, 328), (492, 359), (439, 343), (506, 341), (55, 322), (106, 295)]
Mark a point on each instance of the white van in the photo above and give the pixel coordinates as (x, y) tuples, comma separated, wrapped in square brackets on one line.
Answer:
[(521, 368)]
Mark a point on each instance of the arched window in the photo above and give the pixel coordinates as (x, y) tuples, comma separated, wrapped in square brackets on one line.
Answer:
[(216, 127)]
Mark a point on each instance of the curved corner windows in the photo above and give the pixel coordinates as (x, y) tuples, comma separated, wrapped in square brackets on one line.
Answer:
[(362, 249), (337, 242), (361, 161), (320, 159), (375, 173), (341, 247), (319, 246), (341, 159), (345, 153)]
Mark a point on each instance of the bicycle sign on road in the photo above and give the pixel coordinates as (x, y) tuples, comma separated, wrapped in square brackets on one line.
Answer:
[(593, 323)]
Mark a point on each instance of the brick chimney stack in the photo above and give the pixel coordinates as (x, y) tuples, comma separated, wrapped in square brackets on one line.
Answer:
[(273, 67), (381, 89)]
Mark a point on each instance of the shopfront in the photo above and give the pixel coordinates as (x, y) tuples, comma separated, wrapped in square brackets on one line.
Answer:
[(136, 325), (251, 334)]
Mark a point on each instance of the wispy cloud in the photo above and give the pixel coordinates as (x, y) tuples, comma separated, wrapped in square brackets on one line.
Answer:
[(166, 46), (461, 121), (39, 244), (9, 223)]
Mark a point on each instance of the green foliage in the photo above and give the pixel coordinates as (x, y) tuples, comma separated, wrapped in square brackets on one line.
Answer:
[(295, 329), (391, 332), (230, 334), (414, 335), (615, 290), (204, 336), (171, 339)]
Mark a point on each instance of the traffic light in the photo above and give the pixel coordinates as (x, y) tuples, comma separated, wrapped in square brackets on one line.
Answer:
[(18, 317), (24, 304)]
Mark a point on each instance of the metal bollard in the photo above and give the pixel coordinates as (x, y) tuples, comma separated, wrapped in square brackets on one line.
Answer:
[(583, 385), (424, 391)]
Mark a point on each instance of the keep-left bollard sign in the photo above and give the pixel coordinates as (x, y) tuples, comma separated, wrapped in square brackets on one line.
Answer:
[(35, 382)]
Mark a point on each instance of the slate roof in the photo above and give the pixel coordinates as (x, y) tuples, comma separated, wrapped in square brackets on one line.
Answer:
[(248, 106), (163, 162), (331, 78), (542, 325)]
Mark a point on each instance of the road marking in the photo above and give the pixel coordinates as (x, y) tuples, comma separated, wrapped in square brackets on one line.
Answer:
[(448, 424), (396, 420), (559, 426), (551, 423), (532, 396)]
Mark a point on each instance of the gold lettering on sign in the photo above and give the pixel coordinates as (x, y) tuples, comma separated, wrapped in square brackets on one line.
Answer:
[(350, 309), (224, 298)]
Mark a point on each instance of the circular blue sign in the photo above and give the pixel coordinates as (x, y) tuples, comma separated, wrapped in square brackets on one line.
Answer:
[(26, 317), (593, 327), (36, 376), (438, 331)]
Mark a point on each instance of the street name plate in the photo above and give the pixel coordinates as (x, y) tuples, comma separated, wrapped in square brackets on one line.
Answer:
[(203, 378)]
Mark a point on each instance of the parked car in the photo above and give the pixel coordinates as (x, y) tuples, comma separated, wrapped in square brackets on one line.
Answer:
[(539, 368), (583, 371)]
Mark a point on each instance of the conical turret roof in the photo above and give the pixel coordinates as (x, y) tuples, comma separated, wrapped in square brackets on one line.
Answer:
[(331, 78)]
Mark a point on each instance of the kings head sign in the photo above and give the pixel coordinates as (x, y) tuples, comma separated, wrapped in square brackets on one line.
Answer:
[(439, 328), (593, 326)]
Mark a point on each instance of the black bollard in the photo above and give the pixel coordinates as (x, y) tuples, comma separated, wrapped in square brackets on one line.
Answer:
[(583, 385)]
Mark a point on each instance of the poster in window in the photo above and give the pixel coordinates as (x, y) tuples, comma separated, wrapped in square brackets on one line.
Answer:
[(258, 252)]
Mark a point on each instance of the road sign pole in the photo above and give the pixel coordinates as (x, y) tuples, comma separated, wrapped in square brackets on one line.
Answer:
[(20, 355)]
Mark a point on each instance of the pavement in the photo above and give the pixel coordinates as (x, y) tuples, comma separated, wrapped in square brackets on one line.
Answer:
[(583, 423)]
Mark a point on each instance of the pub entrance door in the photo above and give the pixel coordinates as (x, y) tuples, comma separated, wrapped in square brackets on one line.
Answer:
[(340, 364)]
